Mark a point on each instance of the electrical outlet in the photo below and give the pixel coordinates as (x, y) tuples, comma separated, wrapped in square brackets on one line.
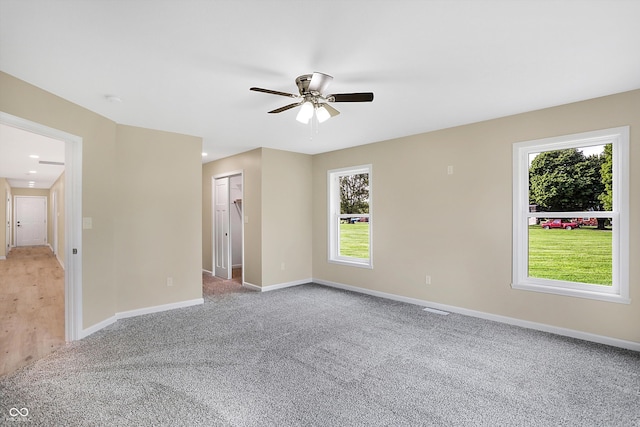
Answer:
[(169, 281), (427, 279), (282, 266)]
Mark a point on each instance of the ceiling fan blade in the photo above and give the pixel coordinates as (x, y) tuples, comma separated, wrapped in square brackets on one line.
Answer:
[(332, 111), (352, 97), (273, 92), (319, 82), (285, 108)]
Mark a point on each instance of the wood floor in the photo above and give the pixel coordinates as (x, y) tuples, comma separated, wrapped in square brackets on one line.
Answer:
[(31, 306)]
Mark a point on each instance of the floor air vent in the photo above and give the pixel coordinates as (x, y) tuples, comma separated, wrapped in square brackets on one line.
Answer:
[(433, 310)]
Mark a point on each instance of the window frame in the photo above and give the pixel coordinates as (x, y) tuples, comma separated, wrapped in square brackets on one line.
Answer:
[(619, 290), (334, 216)]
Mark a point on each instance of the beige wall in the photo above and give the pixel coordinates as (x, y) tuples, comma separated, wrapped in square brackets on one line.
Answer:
[(158, 223), (286, 217), (42, 192), (120, 204), (250, 163), (57, 216), (457, 228)]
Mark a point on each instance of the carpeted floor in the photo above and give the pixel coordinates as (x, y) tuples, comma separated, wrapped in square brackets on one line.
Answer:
[(215, 286), (316, 356)]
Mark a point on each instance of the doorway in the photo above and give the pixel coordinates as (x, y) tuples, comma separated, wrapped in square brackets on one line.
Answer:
[(72, 235), (228, 226)]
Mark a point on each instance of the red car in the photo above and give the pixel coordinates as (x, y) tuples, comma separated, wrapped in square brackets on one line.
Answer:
[(557, 223)]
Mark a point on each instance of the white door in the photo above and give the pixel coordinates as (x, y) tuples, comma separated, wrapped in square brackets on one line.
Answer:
[(31, 221), (222, 261)]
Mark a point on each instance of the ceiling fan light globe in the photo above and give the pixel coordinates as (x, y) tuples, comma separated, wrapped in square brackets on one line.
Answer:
[(322, 114), (305, 113)]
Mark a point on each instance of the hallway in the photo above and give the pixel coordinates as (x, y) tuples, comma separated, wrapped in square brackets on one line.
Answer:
[(215, 286), (31, 306)]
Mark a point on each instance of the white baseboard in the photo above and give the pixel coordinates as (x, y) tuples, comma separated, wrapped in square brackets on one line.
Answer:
[(252, 286), (95, 328), (60, 261), (207, 271), (2, 257), (277, 285), (236, 266), (286, 285), (158, 308), (586, 336), (139, 312)]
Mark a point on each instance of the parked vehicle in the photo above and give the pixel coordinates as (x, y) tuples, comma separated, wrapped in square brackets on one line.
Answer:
[(358, 219), (592, 222), (559, 223)]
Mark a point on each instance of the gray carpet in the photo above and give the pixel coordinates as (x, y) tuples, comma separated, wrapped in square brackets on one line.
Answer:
[(316, 356)]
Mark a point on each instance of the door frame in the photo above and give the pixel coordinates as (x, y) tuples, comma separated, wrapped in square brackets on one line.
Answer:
[(9, 218), (46, 216), (73, 219), (54, 223), (213, 221)]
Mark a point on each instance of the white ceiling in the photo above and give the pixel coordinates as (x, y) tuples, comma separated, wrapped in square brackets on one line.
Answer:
[(186, 66), (16, 164)]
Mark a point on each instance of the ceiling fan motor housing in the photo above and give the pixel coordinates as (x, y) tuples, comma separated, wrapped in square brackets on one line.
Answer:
[(303, 83)]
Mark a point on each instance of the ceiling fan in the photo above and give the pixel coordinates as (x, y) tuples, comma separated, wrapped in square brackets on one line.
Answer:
[(312, 98)]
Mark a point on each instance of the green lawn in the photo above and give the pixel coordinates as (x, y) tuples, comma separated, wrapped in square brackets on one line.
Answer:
[(354, 240), (580, 255)]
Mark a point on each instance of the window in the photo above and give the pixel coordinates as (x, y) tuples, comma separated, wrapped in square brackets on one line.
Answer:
[(570, 215), (350, 219)]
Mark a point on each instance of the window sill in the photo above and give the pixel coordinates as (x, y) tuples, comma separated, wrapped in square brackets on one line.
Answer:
[(351, 263), (577, 293)]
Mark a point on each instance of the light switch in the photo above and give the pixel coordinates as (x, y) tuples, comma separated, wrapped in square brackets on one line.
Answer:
[(87, 223), (246, 219)]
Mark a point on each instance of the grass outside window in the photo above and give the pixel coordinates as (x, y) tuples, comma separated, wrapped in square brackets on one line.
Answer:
[(582, 255), (354, 240)]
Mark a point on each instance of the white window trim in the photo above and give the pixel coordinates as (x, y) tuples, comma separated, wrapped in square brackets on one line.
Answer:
[(619, 291), (333, 214)]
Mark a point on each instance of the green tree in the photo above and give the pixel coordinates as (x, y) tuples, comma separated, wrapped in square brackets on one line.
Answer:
[(354, 194), (606, 175), (590, 185), (565, 180)]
